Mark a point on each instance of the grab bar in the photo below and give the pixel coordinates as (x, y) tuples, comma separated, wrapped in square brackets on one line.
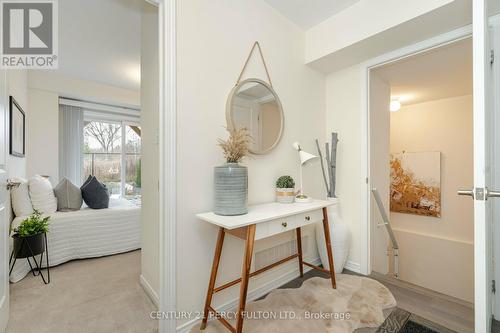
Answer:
[(387, 224)]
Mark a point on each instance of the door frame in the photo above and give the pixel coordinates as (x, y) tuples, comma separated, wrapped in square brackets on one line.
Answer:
[(168, 161), (495, 30), (366, 68), (5, 299)]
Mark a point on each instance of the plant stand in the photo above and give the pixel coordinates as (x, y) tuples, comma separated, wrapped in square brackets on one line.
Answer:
[(25, 251)]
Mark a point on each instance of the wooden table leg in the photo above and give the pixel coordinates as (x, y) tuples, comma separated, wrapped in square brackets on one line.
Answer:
[(245, 275), (326, 228), (299, 250), (213, 276)]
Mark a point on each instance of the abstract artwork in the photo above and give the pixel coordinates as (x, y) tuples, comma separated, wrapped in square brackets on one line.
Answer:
[(416, 183)]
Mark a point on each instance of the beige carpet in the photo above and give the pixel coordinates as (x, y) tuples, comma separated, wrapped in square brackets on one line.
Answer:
[(100, 295), (362, 298)]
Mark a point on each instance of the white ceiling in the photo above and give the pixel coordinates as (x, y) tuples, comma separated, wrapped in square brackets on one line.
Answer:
[(441, 73), (100, 40), (308, 13)]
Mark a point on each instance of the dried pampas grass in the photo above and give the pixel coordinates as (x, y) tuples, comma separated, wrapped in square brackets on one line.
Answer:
[(236, 147)]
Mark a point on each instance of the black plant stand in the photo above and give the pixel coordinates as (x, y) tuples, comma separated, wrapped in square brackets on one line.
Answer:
[(25, 251)]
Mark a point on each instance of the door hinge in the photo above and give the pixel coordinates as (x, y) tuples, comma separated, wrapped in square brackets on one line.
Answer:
[(492, 57), (366, 180), (493, 286)]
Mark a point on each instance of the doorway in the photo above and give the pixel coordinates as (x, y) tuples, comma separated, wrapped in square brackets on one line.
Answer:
[(421, 129), (113, 134)]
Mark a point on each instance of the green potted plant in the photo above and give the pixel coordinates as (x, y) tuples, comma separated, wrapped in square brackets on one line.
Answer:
[(31, 232), (285, 189)]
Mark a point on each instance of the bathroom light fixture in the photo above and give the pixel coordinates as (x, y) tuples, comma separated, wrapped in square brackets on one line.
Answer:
[(304, 158), (395, 105)]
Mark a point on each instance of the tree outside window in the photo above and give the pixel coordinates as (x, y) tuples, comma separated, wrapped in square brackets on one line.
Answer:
[(104, 156)]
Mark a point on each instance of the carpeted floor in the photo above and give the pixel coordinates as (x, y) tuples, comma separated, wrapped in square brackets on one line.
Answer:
[(315, 307), (94, 295)]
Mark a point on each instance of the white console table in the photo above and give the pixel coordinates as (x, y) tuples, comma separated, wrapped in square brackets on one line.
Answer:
[(263, 221)]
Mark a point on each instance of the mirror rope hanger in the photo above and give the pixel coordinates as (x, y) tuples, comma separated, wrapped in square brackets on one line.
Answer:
[(256, 44)]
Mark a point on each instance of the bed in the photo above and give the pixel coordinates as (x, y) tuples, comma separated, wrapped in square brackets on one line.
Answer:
[(88, 233)]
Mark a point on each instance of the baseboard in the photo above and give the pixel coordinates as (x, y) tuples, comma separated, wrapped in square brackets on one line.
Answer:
[(253, 294), (149, 291), (353, 266)]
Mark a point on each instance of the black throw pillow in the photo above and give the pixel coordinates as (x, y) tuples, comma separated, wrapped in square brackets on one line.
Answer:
[(87, 181), (95, 194)]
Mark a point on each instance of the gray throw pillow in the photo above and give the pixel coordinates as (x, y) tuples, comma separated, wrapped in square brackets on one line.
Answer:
[(69, 196), (95, 194)]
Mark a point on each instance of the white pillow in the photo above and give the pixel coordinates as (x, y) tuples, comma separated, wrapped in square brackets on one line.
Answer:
[(42, 195), (20, 198)]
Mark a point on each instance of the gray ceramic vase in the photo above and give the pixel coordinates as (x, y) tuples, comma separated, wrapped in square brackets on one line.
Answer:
[(231, 189)]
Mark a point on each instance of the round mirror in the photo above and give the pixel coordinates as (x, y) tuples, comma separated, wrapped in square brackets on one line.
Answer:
[(254, 105)]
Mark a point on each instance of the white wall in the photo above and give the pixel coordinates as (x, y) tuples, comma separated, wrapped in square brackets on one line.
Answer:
[(437, 253), (43, 135), (331, 35), (214, 38), (93, 91), (45, 88), (369, 28), (149, 154), (17, 86), (343, 115), (17, 82), (380, 95)]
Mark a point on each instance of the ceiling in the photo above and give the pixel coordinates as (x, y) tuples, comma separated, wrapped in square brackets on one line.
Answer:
[(442, 73), (100, 40), (308, 13)]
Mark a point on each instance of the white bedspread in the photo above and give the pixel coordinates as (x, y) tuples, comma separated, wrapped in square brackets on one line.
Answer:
[(88, 233)]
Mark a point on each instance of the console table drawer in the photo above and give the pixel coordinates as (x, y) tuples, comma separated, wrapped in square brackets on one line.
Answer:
[(278, 226)]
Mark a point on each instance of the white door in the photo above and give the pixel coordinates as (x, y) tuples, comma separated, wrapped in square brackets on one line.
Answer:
[(4, 224), (482, 193)]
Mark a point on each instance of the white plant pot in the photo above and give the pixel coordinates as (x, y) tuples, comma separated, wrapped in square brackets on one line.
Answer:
[(340, 236), (285, 195)]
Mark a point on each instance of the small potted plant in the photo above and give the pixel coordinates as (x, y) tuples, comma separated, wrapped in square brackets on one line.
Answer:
[(31, 232), (285, 189)]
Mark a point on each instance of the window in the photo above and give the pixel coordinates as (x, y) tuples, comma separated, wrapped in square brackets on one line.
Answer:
[(132, 162), (112, 153)]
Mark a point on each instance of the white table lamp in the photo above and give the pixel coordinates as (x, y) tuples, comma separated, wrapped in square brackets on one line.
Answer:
[(305, 157)]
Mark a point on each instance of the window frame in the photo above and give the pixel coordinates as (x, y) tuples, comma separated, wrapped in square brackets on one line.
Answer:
[(121, 120)]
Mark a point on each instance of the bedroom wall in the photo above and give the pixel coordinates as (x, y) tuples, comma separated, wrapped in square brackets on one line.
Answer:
[(43, 139), (45, 87), (17, 81), (150, 151), (438, 253), (17, 86), (213, 43)]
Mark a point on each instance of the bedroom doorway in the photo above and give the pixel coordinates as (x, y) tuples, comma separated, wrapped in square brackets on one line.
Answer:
[(100, 115)]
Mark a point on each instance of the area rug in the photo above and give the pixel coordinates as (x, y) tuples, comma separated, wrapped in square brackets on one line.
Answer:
[(402, 321), (315, 307)]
